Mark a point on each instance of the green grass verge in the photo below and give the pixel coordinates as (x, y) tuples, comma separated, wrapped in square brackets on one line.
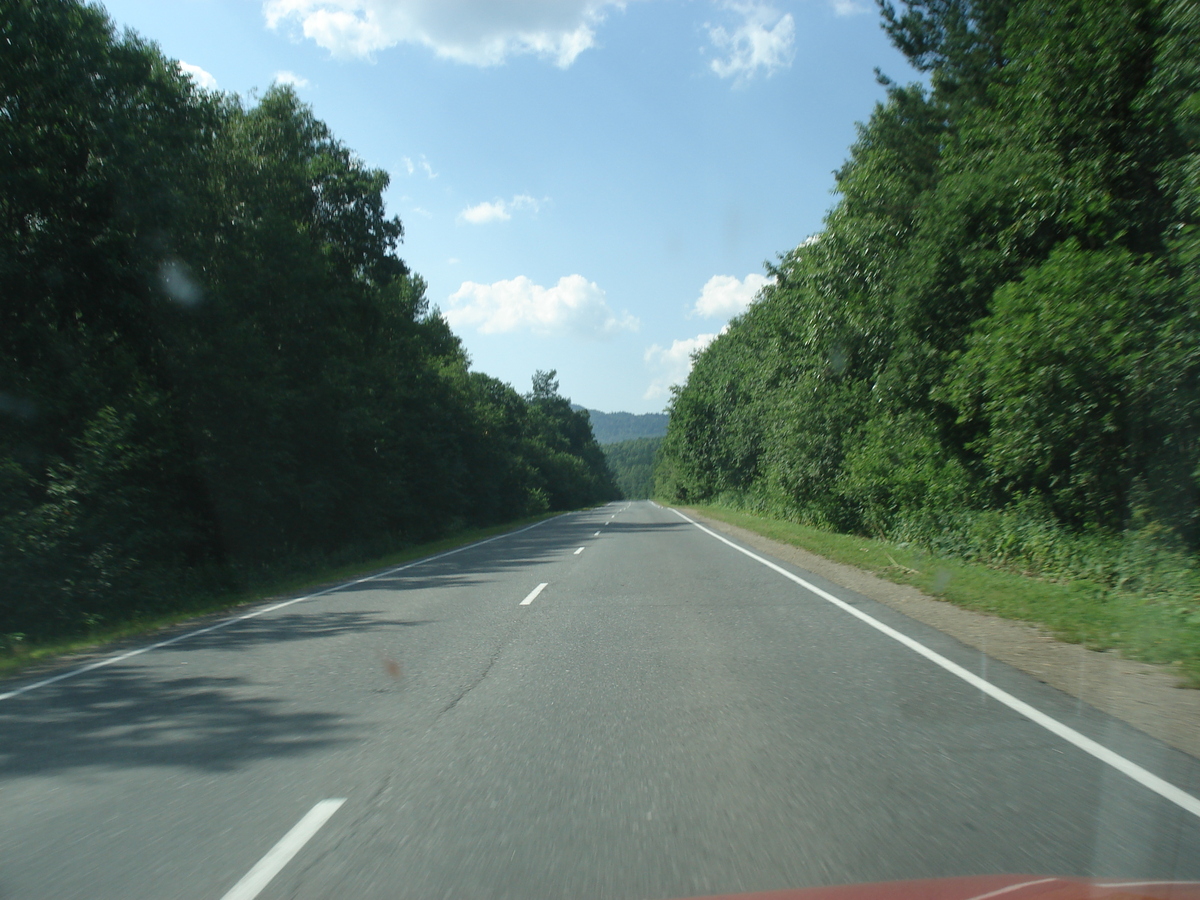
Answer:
[(23, 655), (1077, 611)]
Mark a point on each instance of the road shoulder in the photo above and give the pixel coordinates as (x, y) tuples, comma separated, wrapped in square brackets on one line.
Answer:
[(1143, 695)]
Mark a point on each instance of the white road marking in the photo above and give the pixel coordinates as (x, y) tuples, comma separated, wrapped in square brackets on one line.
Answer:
[(1144, 777), (1011, 888), (281, 854), (580, 550), (597, 534), (224, 623), (537, 590)]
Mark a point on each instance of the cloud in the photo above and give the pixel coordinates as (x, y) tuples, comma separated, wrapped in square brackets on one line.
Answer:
[(474, 32), (765, 41), (198, 75), (286, 77), (485, 212), (422, 164), (497, 210), (672, 364), (849, 7), (723, 295), (573, 306)]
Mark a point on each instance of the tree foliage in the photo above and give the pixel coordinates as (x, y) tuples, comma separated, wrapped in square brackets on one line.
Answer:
[(632, 465), (1001, 310), (211, 355)]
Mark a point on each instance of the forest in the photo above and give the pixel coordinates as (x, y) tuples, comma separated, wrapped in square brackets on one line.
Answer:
[(213, 360), (992, 347), (632, 465)]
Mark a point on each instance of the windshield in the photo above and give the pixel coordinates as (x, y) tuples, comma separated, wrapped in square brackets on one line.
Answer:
[(598, 448)]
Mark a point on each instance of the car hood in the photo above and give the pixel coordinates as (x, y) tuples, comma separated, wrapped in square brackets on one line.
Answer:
[(986, 887)]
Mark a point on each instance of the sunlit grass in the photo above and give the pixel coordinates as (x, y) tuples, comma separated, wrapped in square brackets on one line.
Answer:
[(1149, 628), (17, 654)]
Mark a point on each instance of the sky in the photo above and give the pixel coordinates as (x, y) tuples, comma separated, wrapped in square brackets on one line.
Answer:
[(589, 186)]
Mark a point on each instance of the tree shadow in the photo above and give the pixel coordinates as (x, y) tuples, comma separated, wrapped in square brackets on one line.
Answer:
[(295, 625), (129, 720), (480, 564)]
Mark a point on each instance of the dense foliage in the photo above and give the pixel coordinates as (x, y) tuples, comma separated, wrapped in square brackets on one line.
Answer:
[(211, 357), (997, 333), (632, 465)]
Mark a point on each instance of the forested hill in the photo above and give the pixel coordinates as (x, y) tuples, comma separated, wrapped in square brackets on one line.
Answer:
[(212, 358), (997, 331), (611, 428)]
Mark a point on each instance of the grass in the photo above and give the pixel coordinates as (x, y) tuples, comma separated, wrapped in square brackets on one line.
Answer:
[(1151, 628), (19, 654)]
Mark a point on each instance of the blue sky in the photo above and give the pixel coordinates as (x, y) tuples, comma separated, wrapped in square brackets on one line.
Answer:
[(586, 185)]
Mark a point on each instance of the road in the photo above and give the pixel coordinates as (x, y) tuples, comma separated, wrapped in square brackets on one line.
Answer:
[(667, 717)]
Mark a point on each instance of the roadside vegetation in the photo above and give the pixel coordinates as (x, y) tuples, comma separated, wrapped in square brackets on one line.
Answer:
[(214, 366), (991, 352)]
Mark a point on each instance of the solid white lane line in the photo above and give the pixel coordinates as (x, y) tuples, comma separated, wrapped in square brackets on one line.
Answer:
[(580, 550), (537, 590), (281, 854), (1144, 777), (224, 623)]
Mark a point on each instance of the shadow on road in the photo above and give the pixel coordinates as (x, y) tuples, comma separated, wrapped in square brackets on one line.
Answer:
[(129, 718), (126, 720)]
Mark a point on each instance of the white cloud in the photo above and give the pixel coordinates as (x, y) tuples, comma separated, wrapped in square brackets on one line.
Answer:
[(497, 210), (475, 32), (765, 41), (723, 295), (198, 75), (672, 364), (849, 7), (423, 164), (573, 306), (485, 212), (286, 77)]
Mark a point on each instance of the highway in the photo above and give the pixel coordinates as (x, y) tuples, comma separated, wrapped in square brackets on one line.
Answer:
[(614, 703)]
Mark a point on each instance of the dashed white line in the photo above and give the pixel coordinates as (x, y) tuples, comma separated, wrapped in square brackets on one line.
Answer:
[(597, 534), (580, 550), (281, 854), (1144, 777), (537, 590)]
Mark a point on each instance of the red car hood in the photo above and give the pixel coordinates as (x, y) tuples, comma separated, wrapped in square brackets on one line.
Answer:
[(986, 887)]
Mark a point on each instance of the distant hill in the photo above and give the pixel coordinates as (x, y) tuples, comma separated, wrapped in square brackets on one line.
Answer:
[(611, 428)]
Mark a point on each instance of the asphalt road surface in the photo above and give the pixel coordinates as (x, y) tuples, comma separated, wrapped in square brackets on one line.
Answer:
[(666, 717)]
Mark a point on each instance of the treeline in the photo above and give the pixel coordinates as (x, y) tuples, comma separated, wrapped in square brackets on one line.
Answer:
[(612, 428), (994, 343), (212, 359), (632, 465)]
